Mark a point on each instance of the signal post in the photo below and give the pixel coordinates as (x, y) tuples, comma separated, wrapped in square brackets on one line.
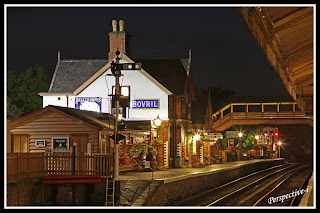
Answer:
[(116, 72)]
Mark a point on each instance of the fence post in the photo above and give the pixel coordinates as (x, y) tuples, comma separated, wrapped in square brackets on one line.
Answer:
[(73, 160), (17, 166)]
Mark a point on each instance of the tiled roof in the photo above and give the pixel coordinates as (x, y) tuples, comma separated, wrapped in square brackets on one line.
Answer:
[(102, 120), (69, 75), (171, 73)]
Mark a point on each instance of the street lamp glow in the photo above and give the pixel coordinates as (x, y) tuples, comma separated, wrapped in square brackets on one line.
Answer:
[(157, 121), (279, 143), (257, 137), (197, 137), (240, 134)]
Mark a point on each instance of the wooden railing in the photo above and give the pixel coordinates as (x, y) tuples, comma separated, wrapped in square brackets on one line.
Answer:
[(228, 112), (22, 166), (65, 163)]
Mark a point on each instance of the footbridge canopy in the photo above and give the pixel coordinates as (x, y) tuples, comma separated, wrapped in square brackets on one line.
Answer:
[(285, 35)]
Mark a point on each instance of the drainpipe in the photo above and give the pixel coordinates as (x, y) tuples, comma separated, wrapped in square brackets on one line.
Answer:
[(67, 96)]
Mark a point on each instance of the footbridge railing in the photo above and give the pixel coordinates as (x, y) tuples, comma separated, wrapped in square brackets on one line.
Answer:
[(258, 113)]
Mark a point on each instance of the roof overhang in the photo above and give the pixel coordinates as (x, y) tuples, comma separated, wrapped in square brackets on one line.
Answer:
[(285, 35), (108, 65), (54, 94), (36, 114)]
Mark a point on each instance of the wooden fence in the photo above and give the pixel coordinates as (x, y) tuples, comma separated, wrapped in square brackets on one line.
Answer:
[(24, 165), (65, 163), (30, 165)]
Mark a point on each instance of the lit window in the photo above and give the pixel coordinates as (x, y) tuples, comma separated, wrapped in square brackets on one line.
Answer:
[(124, 91)]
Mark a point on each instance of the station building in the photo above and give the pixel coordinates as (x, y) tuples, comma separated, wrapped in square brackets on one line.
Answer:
[(163, 88)]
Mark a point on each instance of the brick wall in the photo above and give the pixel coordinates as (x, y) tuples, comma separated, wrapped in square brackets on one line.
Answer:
[(25, 193)]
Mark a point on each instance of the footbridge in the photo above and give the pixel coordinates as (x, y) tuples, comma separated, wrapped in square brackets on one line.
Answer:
[(276, 113)]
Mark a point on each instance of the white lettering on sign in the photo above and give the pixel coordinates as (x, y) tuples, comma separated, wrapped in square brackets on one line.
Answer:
[(145, 104)]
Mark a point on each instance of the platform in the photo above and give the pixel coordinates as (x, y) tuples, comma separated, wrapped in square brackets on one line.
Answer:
[(307, 199), (165, 186), (179, 173)]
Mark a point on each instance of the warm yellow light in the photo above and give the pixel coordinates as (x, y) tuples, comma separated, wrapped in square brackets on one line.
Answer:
[(197, 137), (157, 121), (279, 143), (240, 134), (125, 91), (257, 137)]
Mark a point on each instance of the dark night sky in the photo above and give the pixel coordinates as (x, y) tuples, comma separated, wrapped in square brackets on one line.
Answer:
[(223, 50)]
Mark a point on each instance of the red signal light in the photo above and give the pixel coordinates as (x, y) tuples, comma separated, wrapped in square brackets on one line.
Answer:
[(276, 134)]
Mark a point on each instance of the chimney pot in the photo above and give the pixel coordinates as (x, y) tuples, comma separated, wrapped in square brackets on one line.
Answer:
[(114, 25), (121, 25)]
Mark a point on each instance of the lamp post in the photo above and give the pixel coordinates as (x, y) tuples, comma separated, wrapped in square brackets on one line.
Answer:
[(257, 138), (279, 144), (156, 123), (240, 136)]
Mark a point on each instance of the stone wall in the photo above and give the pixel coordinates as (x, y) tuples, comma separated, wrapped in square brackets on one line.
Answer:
[(180, 188)]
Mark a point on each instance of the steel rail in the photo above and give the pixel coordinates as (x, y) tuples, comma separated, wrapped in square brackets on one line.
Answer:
[(305, 181), (249, 185), (283, 180), (229, 184)]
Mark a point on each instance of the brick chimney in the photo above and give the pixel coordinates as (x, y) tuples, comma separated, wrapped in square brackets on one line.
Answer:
[(119, 39)]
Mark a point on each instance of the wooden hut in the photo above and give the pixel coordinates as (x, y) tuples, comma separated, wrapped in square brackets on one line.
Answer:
[(55, 128)]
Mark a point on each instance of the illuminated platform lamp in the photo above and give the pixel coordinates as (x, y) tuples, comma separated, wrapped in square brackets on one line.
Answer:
[(155, 123), (197, 137)]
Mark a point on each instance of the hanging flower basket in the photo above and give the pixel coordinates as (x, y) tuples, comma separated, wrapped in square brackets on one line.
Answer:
[(136, 151), (156, 144)]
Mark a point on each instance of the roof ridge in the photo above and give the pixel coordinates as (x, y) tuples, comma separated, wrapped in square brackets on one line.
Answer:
[(83, 60)]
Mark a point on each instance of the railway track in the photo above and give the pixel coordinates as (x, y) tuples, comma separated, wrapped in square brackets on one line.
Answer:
[(257, 188)]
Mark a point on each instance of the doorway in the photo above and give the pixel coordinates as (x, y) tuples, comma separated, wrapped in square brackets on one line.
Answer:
[(80, 141), (20, 143)]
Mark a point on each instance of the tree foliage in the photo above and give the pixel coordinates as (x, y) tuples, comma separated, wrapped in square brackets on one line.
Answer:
[(23, 89)]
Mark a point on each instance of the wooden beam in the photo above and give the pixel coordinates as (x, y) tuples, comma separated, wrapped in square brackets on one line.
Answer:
[(305, 82), (256, 19), (300, 52), (291, 23), (307, 90), (306, 70), (284, 18)]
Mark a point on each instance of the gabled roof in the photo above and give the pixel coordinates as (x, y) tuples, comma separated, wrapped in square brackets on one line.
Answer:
[(171, 73), (73, 76), (93, 119)]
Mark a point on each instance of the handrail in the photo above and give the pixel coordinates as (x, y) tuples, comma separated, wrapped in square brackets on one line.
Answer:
[(255, 103), (221, 117)]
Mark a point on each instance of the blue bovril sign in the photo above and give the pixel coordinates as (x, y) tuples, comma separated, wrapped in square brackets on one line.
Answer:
[(146, 104)]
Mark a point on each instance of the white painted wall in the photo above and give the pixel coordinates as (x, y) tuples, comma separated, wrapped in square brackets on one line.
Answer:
[(140, 88)]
